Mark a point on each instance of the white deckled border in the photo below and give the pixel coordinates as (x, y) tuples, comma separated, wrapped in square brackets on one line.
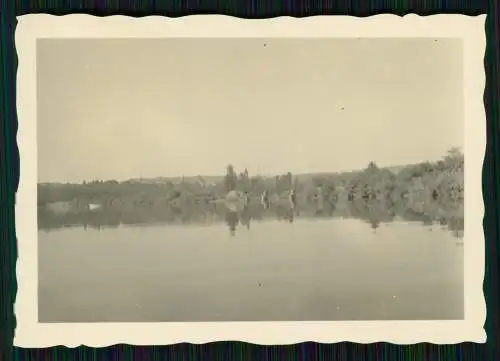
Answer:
[(30, 333)]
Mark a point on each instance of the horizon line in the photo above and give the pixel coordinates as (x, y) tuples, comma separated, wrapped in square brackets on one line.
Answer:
[(221, 175)]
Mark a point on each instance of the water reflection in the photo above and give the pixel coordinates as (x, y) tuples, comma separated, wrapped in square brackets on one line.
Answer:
[(246, 218), (232, 220), (372, 212)]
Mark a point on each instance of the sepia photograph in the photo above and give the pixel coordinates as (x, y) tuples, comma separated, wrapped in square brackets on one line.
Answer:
[(250, 179)]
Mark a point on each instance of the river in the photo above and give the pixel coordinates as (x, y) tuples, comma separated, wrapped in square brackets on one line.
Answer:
[(300, 269)]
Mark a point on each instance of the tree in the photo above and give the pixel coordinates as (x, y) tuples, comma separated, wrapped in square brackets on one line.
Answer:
[(289, 180), (257, 184), (372, 166), (230, 179), (454, 152), (454, 159), (244, 181), (373, 182)]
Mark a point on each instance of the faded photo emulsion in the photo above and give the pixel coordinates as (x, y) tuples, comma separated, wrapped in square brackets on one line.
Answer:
[(187, 180), (250, 179)]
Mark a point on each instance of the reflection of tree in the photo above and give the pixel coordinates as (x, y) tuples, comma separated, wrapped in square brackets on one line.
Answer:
[(285, 214), (427, 220), (431, 212), (412, 215), (455, 224), (232, 221), (374, 224), (372, 211), (246, 217)]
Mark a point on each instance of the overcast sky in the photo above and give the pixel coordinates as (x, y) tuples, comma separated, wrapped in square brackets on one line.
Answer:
[(119, 109)]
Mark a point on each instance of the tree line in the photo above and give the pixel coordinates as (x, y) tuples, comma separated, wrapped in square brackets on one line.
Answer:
[(441, 180)]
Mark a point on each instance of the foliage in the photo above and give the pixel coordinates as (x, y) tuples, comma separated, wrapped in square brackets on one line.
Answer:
[(413, 185), (231, 178)]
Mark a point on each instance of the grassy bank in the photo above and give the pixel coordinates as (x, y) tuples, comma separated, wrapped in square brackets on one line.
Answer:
[(441, 181), (430, 192)]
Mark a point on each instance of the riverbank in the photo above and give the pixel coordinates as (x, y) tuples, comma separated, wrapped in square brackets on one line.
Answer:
[(426, 192), (441, 181)]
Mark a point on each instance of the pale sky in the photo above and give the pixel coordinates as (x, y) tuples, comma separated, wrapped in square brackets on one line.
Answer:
[(120, 109)]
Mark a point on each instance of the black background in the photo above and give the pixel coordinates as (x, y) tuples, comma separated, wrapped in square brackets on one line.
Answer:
[(9, 178)]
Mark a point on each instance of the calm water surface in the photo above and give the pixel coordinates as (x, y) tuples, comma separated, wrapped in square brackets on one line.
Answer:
[(318, 269)]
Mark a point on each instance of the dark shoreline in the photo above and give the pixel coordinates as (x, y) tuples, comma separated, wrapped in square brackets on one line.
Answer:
[(427, 192)]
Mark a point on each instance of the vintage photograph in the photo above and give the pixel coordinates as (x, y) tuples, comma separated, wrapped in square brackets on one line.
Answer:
[(250, 179)]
